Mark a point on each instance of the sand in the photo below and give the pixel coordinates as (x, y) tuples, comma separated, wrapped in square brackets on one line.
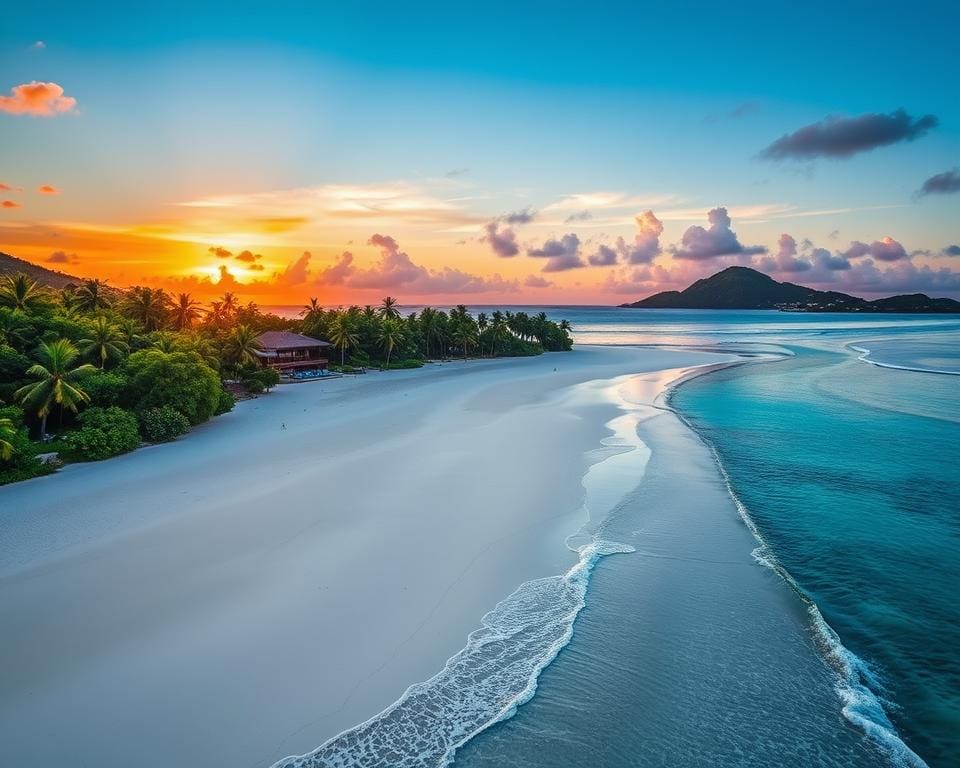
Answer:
[(287, 570)]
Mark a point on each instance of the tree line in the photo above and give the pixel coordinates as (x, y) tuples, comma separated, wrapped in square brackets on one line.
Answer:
[(106, 369)]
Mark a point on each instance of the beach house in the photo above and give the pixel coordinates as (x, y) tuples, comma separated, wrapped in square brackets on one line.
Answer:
[(288, 352)]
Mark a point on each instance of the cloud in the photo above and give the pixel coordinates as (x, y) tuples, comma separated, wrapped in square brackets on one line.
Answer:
[(578, 216), (456, 172), (589, 201), (395, 270), (503, 242), (48, 189), (519, 217), (646, 243), (9, 204), (829, 261), (37, 99), (255, 267), (337, 273), (5, 187), (561, 255), (284, 209), (604, 256), (887, 249), (699, 244), (39, 45), (227, 280), (744, 109), (951, 250), (61, 257), (248, 257), (785, 259), (945, 183), (841, 137), (297, 272), (220, 253), (535, 281)]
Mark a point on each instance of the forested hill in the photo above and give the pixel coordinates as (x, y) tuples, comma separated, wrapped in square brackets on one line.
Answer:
[(745, 288), (11, 265)]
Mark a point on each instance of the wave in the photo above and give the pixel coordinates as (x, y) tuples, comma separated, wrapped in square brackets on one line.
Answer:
[(865, 357), (856, 684), (481, 685)]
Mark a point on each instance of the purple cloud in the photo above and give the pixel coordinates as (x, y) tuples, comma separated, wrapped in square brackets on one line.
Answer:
[(578, 216), (945, 183), (952, 250), (519, 217), (535, 281), (841, 137), (785, 259), (887, 249), (699, 244), (646, 243), (502, 241), (562, 254), (605, 256)]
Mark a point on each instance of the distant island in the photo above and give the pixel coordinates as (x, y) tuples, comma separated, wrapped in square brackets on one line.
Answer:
[(745, 288)]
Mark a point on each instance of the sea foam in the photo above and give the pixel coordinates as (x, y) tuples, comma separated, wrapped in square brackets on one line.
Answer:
[(497, 670)]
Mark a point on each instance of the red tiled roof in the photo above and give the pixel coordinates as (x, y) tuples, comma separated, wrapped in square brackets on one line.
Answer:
[(288, 340)]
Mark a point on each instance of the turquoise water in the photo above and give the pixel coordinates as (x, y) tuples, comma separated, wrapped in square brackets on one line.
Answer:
[(860, 502)]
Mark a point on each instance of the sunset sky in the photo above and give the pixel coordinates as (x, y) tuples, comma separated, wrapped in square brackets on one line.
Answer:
[(495, 153)]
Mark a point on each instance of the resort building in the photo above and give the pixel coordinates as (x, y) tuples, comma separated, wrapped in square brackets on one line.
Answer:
[(289, 352)]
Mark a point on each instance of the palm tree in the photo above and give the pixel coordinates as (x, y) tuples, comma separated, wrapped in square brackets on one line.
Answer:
[(343, 334), (391, 333), (565, 325), (57, 381), (242, 346), (104, 342), (465, 334), (229, 304), (184, 310), (22, 293), (165, 341), (388, 308), (6, 432), (92, 296), (148, 306), (498, 330), (312, 309), (482, 323), (15, 331), (130, 330)]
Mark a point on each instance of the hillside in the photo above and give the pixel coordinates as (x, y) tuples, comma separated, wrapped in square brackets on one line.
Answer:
[(745, 288), (11, 265)]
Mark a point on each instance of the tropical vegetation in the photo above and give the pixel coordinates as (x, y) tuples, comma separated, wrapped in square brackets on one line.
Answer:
[(106, 369)]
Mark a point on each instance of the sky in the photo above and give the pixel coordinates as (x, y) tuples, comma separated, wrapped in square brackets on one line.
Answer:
[(482, 153)]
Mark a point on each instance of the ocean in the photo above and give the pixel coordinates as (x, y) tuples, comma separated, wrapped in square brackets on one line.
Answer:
[(838, 448)]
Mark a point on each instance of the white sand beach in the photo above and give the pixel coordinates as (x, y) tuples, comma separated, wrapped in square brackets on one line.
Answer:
[(287, 570)]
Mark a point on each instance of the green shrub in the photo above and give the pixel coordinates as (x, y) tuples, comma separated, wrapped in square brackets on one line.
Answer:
[(158, 425), (103, 432), (225, 403), (105, 388), (404, 364), (179, 379), (260, 379), (23, 464)]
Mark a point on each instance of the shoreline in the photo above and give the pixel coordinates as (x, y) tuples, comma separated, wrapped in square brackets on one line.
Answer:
[(861, 706), (185, 573)]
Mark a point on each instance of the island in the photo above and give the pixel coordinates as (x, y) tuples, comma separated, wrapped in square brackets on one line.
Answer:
[(746, 288)]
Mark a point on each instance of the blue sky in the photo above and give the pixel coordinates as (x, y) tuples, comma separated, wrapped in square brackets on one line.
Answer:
[(495, 107)]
